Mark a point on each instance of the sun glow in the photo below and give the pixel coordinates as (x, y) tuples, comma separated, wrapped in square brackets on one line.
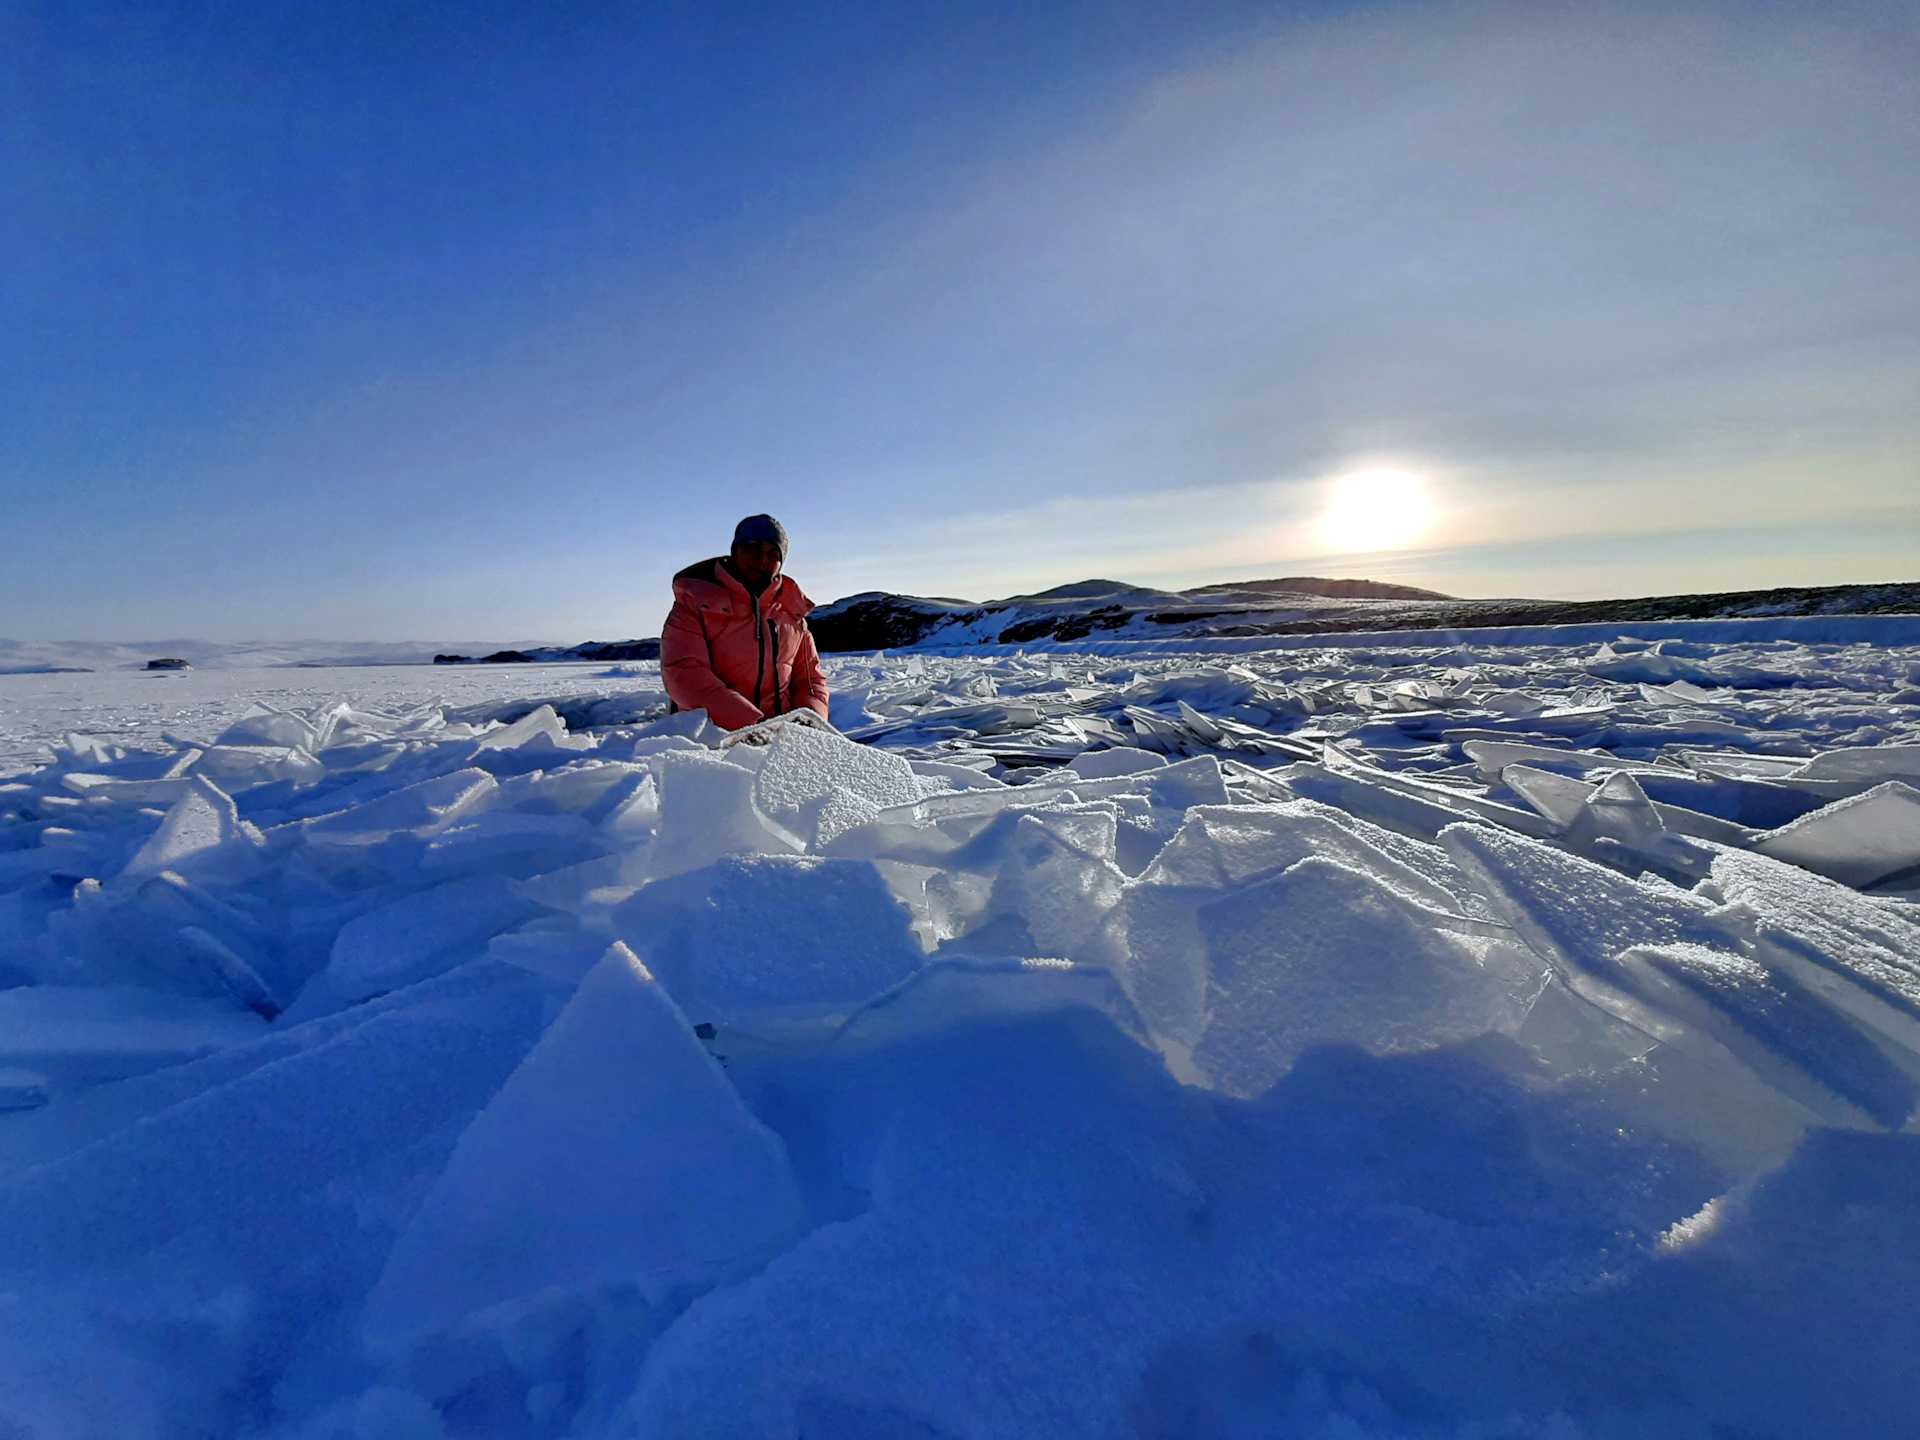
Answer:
[(1376, 510)]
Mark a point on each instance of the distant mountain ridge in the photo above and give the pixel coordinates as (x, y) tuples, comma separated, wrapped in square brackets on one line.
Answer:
[(879, 620), (1298, 605), (1326, 589), (1109, 609)]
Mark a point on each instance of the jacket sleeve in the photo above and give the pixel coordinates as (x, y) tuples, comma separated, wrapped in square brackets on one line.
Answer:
[(809, 684), (687, 671)]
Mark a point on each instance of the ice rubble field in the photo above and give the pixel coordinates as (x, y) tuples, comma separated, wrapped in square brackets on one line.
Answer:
[(1396, 1041), (141, 708)]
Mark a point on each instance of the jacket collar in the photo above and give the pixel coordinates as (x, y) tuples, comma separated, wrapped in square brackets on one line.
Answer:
[(709, 585)]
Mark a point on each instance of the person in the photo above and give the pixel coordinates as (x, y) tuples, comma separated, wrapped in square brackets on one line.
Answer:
[(736, 644)]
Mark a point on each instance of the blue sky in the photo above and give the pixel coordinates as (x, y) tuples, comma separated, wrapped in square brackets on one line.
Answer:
[(399, 321)]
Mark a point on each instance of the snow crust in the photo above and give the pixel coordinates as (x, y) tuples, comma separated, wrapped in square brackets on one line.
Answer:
[(1391, 1040)]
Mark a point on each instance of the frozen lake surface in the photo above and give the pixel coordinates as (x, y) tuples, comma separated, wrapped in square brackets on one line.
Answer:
[(1407, 1038), (138, 707)]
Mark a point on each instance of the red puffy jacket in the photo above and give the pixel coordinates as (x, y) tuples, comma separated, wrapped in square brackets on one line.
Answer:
[(739, 657)]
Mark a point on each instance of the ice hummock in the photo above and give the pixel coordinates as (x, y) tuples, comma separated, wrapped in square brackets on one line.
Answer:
[(616, 1153)]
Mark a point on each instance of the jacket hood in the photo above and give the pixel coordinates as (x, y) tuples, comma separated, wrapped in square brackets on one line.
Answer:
[(707, 585)]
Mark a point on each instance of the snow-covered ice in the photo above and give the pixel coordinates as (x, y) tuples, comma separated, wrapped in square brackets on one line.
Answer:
[(1411, 1038), (616, 1154)]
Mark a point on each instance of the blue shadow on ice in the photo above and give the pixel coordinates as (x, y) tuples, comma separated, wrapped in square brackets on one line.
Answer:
[(1415, 1245)]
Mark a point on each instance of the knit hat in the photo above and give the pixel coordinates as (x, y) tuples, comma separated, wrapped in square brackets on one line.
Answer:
[(761, 527)]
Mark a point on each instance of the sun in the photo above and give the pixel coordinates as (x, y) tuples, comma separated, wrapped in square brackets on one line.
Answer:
[(1376, 510)]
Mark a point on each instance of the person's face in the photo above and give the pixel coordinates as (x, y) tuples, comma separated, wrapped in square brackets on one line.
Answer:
[(758, 560)]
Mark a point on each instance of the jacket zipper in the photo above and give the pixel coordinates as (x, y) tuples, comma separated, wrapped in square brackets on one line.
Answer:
[(773, 649), (760, 672)]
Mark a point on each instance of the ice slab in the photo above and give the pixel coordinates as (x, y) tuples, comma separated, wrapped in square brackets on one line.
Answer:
[(1581, 916), (415, 937), (1684, 692), (707, 810), (562, 955), (847, 709), (81, 1118), (128, 792), (542, 722), (1204, 687), (164, 933), (1619, 825), (692, 725), (616, 1153), (505, 842), (1182, 784), (233, 970), (1734, 1072), (1759, 804), (580, 787), (1833, 940), (1223, 848), (1149, 805), (955, 777), (241, 767), (417, 809), (1018, 1176), (1325, 953), (22, 1089), (1618, 809), (622, 746), (1654, 666), (314, 1119), (1783, 1031), (1870, 763), (763, 732), (200, 823), (84, 1036), (1855, 841), (627, 812), (757, 938), (1101, 764), (1413, 807), (818, 784), (1461, 800), (963, 989), (1040, 882), (264, 725), (1557, 796), (1230, 845)]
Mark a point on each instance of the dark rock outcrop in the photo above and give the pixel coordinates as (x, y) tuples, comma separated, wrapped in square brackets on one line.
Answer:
[(598, 650), (616, 650), (878, 621)]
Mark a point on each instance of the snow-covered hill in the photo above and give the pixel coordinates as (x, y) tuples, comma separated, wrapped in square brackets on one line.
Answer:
[(1409, 1039), (1297, 606)]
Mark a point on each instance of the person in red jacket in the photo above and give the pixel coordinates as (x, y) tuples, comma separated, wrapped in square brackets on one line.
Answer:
[(736, 644)]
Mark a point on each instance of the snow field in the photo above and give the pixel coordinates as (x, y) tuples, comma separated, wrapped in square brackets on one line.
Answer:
[(1411, 1042)]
